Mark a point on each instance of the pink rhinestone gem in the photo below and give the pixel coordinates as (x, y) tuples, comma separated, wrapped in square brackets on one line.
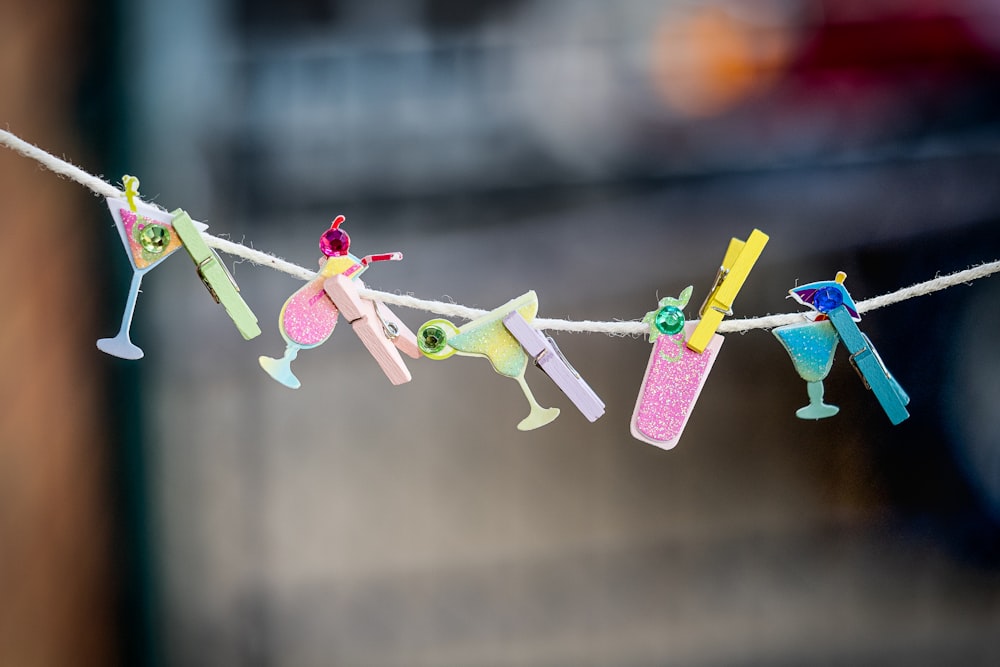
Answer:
[(334, 243)]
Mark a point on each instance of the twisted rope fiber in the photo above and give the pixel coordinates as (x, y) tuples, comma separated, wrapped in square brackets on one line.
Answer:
[(617, 328)]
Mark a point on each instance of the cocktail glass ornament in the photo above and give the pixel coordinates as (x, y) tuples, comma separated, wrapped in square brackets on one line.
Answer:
[(148, 239), (675, 374), (811, 345), (308, 317), (836, 308), (486, 336)]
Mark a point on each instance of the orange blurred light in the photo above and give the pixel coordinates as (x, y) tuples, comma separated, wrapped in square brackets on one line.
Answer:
[(707, 61)]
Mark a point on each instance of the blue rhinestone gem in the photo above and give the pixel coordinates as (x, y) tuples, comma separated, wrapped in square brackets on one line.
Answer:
[(827, 298)]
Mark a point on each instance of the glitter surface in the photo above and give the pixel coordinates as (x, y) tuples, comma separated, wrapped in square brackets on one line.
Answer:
[(671, 387), (134, 226), (308, 316), (348, 264), (811, 345), (488, 337)]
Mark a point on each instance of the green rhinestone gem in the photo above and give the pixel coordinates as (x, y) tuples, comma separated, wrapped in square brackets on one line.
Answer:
[(669, 320), (433, 339), (154, 239)]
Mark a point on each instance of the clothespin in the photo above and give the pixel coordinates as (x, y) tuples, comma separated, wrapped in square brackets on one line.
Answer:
[(736, 265), (486, 336), (383, 334), (215, 275), (547, 356), (831, 298), (675, 374)]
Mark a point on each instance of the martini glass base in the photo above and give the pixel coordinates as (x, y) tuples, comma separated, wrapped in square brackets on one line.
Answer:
[(120, 346), (538, 418), (281, 369), (816, 409)]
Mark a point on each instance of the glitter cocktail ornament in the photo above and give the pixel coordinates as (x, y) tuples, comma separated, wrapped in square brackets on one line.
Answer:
[(309, 316), (674, 375), (486, 336), (148, 238), (684, 352), (812, 345)]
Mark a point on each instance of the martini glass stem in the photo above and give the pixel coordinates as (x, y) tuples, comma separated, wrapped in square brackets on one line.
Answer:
[(281, 369), (121, 345), (816, 409), (133, 296), (538, 416), (816, 392)]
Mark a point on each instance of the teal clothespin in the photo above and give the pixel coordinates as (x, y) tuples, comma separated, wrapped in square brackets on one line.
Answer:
[(868, 363), (831, 298)]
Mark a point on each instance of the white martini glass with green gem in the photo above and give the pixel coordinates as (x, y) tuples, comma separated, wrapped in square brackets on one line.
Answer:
[(811, 345), (148, 237)]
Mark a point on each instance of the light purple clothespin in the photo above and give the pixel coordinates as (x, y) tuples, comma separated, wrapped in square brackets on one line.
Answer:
[(550, 359)]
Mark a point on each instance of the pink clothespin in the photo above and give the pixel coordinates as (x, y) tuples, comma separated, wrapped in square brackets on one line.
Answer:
[(550, 359), (383, 334), (309, 316)]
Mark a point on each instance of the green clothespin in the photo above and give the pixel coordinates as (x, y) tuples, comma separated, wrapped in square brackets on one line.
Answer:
[(216, 277)]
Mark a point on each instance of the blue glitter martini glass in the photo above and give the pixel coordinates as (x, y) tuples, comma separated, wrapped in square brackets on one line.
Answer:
[(811, 345)]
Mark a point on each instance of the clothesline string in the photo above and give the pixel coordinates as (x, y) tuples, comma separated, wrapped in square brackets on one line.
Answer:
[(101, 187)]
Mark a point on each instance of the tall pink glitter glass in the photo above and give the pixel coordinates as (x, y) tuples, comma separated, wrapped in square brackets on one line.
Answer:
[(674, 378)]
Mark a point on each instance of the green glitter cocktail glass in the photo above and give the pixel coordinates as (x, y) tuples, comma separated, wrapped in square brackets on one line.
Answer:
[(486, 336), (811, 345)]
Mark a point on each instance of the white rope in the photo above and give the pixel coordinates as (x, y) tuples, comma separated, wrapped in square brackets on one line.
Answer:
[(258, 257), (618, 328), (59, 166)]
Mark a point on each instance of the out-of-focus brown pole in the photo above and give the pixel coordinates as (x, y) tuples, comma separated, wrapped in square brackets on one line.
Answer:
[(56, 593)]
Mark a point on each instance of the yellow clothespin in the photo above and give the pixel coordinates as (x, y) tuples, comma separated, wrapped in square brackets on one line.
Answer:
[(740, 258), (131, 184)]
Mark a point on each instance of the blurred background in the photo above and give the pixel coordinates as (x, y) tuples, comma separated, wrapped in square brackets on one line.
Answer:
[(187, 510)]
